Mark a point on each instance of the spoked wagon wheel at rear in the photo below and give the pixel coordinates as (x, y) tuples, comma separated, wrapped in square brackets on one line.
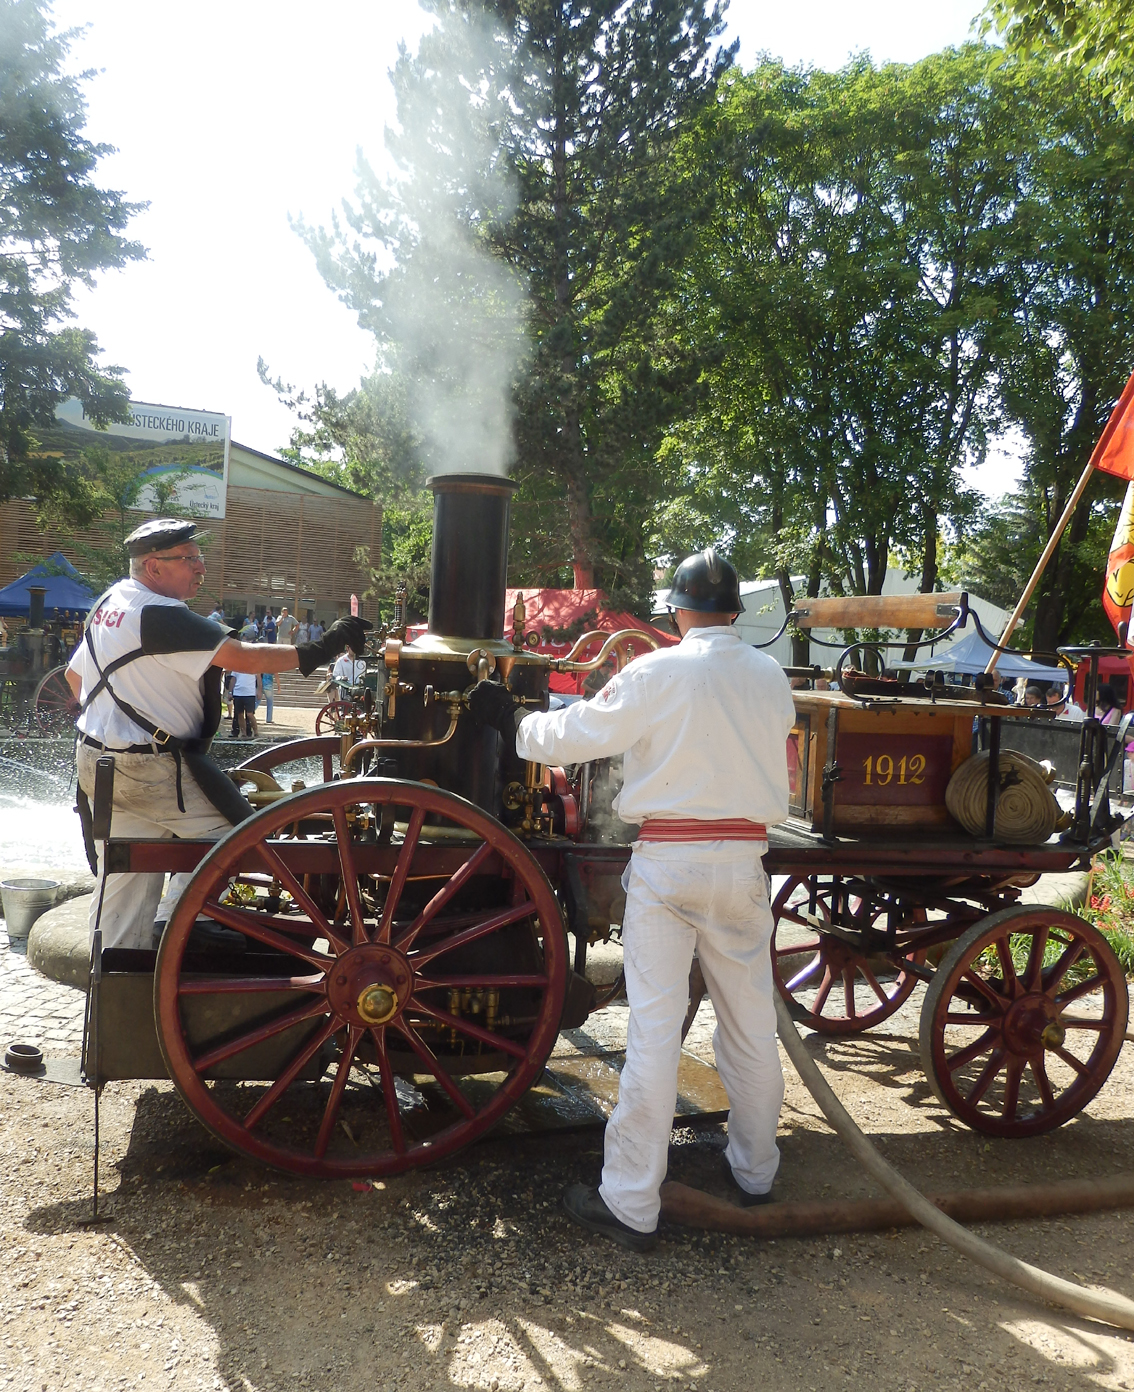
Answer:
[(331, 717), (1024, 1021), (384, 1004), (56, 709), (827, 983)]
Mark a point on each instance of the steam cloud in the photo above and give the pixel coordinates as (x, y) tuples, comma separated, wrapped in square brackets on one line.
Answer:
[(455, 313)]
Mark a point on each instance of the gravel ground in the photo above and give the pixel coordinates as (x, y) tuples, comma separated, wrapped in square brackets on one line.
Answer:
[(213, 1273)]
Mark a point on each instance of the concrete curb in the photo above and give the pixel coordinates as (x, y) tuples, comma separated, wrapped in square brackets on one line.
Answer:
[(1060, 891), (58, 944)]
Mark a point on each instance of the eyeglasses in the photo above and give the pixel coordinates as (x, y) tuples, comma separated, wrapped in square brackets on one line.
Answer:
[(198, 559)]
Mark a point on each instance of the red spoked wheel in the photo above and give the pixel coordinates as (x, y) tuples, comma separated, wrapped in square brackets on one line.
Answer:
[(56, 709), (1023, 1021), (373, 1021), (332, 715), (827, 983)]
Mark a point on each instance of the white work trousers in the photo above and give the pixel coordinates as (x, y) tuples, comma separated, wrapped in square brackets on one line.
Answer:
[(145, 808), (710, 897)]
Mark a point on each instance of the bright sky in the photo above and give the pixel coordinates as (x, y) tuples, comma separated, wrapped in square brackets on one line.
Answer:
[(228, 118)]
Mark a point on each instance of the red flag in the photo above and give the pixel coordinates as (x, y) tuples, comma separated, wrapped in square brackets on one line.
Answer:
[(1118, 591), (1114, 453)]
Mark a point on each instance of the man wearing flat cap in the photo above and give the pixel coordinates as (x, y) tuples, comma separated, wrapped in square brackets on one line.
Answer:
[(147, 678)]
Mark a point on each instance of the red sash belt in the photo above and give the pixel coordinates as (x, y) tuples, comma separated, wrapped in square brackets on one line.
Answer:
[(693, 829)]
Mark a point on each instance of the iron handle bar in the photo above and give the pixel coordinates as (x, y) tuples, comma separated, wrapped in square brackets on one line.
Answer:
[(613, 640)]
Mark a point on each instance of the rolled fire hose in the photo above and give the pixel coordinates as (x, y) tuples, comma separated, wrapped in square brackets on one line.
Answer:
[(1105, 1305), (1026, 810)]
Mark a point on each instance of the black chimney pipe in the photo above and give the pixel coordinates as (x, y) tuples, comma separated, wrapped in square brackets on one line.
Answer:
[(469, 573), (36, 596)]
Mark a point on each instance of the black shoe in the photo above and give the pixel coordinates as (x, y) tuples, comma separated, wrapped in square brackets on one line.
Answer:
[(585, 1206), (742, 1196)]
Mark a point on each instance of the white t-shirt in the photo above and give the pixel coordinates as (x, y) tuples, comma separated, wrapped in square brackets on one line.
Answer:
[(244, 683), (164, 687), (348, 671), (703, 725), (285, 628)]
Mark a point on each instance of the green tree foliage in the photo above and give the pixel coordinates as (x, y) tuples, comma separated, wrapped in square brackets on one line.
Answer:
[(57, 229), (853, 272), (1096, 37), (583, 104), (1071, 349)]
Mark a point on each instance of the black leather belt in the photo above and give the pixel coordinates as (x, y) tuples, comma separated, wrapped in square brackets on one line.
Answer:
[(128, 749)]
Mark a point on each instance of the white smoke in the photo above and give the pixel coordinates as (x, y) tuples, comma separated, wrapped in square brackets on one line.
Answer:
[(453, 313)]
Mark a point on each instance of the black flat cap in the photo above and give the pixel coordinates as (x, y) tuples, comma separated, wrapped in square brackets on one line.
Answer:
[(162, 534)]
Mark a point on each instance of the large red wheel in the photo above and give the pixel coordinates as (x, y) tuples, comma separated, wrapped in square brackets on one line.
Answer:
[(827, 983), (1023, 1021), (332, 715), (56, 709), (397, 1016)]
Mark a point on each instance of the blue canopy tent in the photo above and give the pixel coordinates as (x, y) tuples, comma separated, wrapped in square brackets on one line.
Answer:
[(970, 654), (67, 596)]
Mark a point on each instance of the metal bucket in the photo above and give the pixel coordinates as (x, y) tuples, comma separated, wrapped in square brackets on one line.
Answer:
[(24, 902)]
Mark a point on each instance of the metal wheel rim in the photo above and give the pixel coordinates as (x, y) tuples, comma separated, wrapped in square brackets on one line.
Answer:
[(334, 798), (941, 1012), (903, 985)]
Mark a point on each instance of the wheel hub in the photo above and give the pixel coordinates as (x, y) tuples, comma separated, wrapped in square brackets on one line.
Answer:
[(369, 985), (1031, 1025)]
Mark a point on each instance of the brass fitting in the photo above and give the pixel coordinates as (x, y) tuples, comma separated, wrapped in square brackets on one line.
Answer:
[(377, 1004)]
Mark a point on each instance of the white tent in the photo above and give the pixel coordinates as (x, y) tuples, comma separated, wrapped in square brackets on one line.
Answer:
[(970, 655)]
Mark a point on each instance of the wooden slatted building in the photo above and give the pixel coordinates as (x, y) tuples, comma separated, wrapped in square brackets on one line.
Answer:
[(289, 538)]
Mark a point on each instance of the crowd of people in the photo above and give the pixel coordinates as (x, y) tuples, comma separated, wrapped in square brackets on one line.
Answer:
[(244, 690)]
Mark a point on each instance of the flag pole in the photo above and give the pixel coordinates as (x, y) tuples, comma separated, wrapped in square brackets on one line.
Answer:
[(1041, 564), (1123, 405)]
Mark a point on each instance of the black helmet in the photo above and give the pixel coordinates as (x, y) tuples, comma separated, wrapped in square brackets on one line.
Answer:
[(707, 583)]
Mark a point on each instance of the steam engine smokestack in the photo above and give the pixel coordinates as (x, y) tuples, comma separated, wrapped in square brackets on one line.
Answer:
[(36, 596), (469, 573)]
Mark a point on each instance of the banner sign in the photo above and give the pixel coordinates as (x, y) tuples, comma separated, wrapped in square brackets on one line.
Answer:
[(182, 455)]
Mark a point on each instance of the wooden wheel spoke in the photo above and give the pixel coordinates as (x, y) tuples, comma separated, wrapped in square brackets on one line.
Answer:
[(334, 1101), (275, 866), (987, 1074), (1077, 1022), (987, 1040), (872, 982), (824, 991), (472, 983), (359, 934), (956, 1017), (809, 971), (389, 1093), (1012, 987), (478, 1032), (1043, 1082), (250, 985), (401, 873), (848, 993), (443, 895), (525, 909), (974, 978), (435, 1066), (302, 1058), (252, 925), (1055, 974), (1033, 972), (1079, 990), (251, 1037), (1012, 1075), (1077, 1065), (798, 949)]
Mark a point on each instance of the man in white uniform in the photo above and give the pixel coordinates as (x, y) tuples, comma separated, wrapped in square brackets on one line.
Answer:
[(348, 672), (147, 678), (704, 727)]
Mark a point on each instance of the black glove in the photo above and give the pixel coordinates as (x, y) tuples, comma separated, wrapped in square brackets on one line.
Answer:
[(343, 633), (490, 703)]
